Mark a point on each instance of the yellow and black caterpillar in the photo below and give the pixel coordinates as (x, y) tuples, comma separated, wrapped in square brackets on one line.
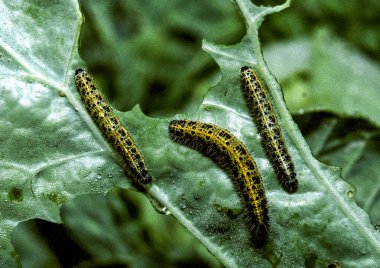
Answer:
[(260, 106), (112, 129), (229, 153)]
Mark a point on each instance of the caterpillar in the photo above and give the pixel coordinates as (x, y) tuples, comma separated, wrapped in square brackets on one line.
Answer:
[(229, 153), (112, 129), (259, 104)]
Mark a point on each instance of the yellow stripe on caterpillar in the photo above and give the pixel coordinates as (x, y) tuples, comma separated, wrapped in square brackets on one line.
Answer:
[(229, 153), (112, 129), (260, 106)]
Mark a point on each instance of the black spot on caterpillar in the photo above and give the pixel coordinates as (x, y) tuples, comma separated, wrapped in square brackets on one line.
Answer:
[(112, 129), (229, 153), (260, 106)]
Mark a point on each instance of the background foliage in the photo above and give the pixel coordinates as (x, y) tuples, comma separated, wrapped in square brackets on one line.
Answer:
[(324, 55)]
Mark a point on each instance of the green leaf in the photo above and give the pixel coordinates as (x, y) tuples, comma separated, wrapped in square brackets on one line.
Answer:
[(356, 151), (51, 152), (343, 80)]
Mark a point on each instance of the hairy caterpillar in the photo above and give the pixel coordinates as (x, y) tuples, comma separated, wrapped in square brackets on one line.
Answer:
[(112, 129), (260, 106), (229, 153)]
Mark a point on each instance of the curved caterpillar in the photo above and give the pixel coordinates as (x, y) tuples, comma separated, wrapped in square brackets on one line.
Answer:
[(112, 129), (229, 153), (260, 106)]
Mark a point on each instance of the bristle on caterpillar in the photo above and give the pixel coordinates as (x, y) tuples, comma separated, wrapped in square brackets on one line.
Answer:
[(230, 154), (112, 129), (260, 106)]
